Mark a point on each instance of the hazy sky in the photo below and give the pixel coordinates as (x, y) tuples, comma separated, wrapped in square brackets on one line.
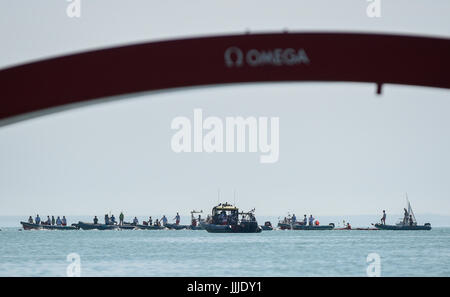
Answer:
[(343, 150)]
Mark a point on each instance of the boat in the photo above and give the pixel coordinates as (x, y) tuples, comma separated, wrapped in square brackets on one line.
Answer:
[(149, 227), (267, 226), (196, 223), (426, 226), (226, 218), (312, 227), (92, 226), (176, 227), (32, 226), (288, 224), (408, 223)]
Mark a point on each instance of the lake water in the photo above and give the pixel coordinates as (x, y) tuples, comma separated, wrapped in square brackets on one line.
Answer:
[(198, 253)]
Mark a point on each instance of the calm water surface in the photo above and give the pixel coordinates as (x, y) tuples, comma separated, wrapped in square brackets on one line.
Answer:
[(198, 253)]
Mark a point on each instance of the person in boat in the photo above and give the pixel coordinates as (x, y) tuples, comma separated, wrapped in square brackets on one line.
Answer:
[(95, 220), (157, 223), (305, 220), (348, 226), (164, 220), (58, 221), (234, 219), (121, 217), (64, 221), (135, 221), (177, 219), (223, 218), (53, 220), (311, 220), (150, 221), (106, 219), (37, 220), (48, 222), (30, 220), (113, 220), (294, 218), (383, 219), (411, 222)]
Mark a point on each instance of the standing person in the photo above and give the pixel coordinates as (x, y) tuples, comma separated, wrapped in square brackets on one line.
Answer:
[(383, 219), (121, 217), (411, 222), (95, 220), (405, 217), (150, 221), (164, 220), (106, 219), (294, 218), (113, 220), (53, 220), (37, 220), (177, 219), (30, 220), (311, 220), (58, 221), (135, 221), (64, 221), (305, 220)]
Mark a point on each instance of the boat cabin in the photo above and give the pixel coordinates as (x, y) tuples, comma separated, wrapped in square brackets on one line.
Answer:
[(225, 214)]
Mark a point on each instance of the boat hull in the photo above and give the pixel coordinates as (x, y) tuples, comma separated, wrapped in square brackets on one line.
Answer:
[(176, 227), (247, 227), (29, 226), (196, 228), (149, 227), (284, 226), (308, 227), (92, 226), (127, 227), (266, 228), (305, 227), (403, 227), (366, 229)]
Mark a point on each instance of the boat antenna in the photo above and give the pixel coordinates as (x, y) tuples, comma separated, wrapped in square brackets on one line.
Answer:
[(218, 196)]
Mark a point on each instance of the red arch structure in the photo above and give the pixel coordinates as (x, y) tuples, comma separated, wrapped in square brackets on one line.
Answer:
[(36, 88)]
